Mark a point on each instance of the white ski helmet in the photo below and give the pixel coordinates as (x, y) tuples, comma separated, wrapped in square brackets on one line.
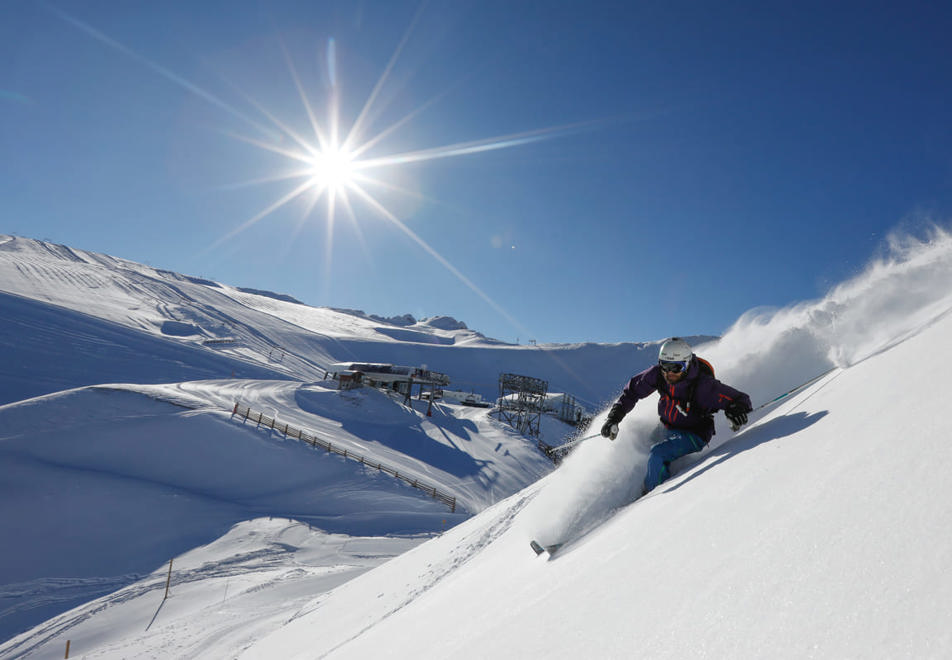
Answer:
[(676, 350)]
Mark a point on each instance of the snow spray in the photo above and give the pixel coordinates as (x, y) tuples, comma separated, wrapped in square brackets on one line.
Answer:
[(594, 480), (897, 295), (765, 353)]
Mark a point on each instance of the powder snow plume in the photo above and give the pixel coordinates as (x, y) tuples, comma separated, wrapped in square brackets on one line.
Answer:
[(765, 353)]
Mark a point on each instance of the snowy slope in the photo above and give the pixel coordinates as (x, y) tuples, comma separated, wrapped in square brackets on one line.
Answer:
[(46, 349), (818, 531), (105, 483)]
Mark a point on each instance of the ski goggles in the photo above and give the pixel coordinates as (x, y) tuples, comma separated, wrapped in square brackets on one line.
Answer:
[(673, 367)]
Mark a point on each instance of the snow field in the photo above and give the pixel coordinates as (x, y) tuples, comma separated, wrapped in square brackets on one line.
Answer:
[(819, 530)]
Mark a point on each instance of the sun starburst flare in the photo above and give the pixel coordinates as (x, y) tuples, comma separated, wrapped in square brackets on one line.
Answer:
[(329, 170), (332, 167), (332, 172)]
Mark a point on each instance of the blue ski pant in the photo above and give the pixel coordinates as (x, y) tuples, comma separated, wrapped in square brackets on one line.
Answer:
[(674, 444)]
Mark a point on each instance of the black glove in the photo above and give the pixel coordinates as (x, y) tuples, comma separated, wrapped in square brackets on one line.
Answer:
[(610, 427), (737, 414), (610, 430)]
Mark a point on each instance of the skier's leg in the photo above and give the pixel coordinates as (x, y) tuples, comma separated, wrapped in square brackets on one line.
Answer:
[(676, 445)]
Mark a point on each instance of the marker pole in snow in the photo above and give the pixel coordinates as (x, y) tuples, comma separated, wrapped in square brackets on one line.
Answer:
[(168, 580)]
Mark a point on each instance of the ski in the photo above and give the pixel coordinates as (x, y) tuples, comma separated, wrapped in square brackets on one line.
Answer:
[(538, 548)]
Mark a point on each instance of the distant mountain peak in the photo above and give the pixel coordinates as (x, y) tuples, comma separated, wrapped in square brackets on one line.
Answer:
[(402, 320), (441, 322), (444, 323), (267, 294)]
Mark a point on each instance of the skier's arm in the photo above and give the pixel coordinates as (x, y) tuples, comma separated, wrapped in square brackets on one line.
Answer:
[(728, 397), (733, 402), (640, 386)]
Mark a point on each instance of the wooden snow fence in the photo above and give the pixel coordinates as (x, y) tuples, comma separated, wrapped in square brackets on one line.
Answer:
[(247, 414)]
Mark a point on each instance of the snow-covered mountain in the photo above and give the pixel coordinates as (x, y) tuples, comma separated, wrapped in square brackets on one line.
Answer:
[(119, 450), (219, 331), (817, 531)]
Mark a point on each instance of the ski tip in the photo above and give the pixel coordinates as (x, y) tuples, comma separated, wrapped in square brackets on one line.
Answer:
[(538, 548)]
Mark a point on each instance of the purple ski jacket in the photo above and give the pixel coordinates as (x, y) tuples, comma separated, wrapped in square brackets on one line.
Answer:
[(710, 395)]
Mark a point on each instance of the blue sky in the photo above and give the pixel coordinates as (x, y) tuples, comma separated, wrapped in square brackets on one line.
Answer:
[(629, 171)]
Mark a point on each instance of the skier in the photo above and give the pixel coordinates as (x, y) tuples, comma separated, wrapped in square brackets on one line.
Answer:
[(690, 395)]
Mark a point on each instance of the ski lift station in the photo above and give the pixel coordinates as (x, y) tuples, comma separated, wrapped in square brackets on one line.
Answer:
[(521, 402), (376, 374)]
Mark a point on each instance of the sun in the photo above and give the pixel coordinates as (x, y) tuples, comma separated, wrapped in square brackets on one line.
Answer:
[(340, 172), (333, 169), (336, 167)]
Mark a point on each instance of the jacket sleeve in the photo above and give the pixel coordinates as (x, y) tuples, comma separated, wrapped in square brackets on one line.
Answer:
[(721, 396), (640, 386)]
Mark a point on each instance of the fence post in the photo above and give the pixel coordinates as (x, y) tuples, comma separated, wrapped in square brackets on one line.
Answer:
[(67, 649), (315, 442), (168, 580)]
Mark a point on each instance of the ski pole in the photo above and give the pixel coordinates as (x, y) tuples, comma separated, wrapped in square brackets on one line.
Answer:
[(736, 428), (795, 389), (572, 443)]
